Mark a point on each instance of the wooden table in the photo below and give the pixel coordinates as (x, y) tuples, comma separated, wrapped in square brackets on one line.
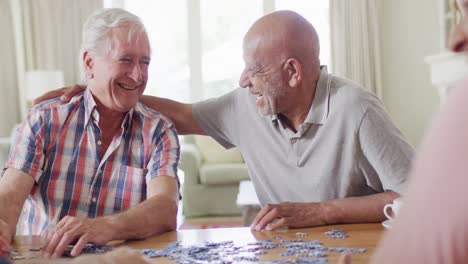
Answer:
[(359, 236)]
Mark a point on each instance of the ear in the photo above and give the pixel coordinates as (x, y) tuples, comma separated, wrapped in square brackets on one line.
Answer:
[(293, 68), (88, 63)]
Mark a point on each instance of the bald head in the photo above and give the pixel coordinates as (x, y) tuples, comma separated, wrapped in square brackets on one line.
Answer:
[(285, 34)]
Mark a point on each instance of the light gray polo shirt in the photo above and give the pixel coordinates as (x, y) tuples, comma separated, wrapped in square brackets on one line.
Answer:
[(347, 146)]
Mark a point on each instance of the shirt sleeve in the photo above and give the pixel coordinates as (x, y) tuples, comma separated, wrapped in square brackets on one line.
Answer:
[(217, 117), (165, 156), (27, 153), (385, 150), (431, 226), (166, 152)]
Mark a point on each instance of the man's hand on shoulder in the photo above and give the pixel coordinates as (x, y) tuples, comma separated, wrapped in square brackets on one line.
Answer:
[(82, 230), (65, 94), (274, 216)]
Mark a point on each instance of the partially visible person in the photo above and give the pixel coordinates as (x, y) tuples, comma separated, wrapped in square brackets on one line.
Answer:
[(432, 226), (103, 166), (319, 148)]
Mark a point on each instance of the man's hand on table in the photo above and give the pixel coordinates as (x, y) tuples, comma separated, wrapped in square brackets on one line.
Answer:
[(65, 94), (5, 238), (82, 230), (274, 216)]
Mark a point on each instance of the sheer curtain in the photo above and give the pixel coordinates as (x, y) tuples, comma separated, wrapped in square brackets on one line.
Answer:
[(50, 37), (9, 108), (37, 35), (52, 34), (355, 42)]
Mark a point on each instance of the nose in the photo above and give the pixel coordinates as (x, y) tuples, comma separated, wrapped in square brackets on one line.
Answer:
[(458, 39), (136, 73), (244, 80)]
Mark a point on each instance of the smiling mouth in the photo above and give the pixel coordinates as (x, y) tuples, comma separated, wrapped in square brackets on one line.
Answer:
[(128, 88)]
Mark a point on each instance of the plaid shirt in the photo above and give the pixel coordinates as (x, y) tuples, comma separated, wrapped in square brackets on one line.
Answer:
[(58, 145)]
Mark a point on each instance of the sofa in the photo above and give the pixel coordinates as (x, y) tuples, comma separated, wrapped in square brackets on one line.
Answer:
[(211, 177)]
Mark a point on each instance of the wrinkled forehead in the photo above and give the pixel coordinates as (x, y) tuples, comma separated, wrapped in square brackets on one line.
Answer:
[(258, 46)]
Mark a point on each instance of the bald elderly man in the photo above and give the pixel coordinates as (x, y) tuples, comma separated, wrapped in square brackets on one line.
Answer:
[(319, 148)]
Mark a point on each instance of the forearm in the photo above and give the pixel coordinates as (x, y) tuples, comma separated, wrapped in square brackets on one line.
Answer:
[(357, 209), (152, 217), (10, 212), (14, 189), (179, 113)]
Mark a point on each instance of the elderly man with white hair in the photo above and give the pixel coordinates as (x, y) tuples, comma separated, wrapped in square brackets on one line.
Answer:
[(103, 166)]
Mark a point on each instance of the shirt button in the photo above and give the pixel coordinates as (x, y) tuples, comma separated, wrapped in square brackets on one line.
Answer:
[(94, 199), (99, 142), (293, 140)]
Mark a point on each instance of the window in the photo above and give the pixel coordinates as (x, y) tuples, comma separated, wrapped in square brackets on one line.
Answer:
[(197, 45)]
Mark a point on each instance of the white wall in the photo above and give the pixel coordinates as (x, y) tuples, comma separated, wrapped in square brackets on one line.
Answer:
[(409, 32)]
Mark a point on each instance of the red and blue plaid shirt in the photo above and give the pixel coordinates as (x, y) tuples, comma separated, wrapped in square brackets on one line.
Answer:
[(58, 145)]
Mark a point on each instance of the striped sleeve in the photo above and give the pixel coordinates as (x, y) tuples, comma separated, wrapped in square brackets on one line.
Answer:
[(165, 154), (27, 153)]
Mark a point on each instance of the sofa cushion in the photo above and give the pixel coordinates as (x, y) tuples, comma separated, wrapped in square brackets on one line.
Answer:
[(230, 173), (214, 153)]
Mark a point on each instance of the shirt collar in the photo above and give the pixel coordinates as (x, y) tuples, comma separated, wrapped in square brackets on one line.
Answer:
[(318, 112), (320, 106), (92, 114)]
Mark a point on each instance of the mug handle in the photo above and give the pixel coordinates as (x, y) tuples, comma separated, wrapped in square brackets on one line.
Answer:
[(385, 211)]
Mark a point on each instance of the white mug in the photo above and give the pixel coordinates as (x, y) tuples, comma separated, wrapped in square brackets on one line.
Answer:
[(395, 206)]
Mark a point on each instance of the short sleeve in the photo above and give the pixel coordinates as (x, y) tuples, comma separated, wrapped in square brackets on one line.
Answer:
[(385, 149), (27, 154), (218, 117), (165, 156)]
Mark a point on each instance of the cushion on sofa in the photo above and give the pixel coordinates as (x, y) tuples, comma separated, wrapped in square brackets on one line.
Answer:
[(214, 153), (231, 173)]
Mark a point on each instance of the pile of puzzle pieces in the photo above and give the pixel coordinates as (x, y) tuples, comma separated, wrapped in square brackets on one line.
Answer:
[(307, 252)]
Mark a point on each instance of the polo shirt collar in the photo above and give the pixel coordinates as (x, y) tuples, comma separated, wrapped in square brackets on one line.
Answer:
[(318, 112)]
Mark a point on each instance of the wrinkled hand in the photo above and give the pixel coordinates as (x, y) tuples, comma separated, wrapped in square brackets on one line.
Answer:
[(65, 94), (84, 230), (5, 238), (274, 216)]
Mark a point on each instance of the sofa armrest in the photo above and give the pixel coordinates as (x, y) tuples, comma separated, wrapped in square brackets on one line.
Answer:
[(190, 161)]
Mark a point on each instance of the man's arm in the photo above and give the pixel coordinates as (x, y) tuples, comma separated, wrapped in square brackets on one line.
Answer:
[(15, 186), (365, 209), (154, 216), (179, 113)]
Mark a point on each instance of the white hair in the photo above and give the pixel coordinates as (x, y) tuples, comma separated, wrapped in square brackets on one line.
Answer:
[(97, 28)]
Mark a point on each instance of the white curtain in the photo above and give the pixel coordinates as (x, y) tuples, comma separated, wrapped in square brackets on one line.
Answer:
[(9, 98), (36, 35), (52, 34), (355, 42)]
